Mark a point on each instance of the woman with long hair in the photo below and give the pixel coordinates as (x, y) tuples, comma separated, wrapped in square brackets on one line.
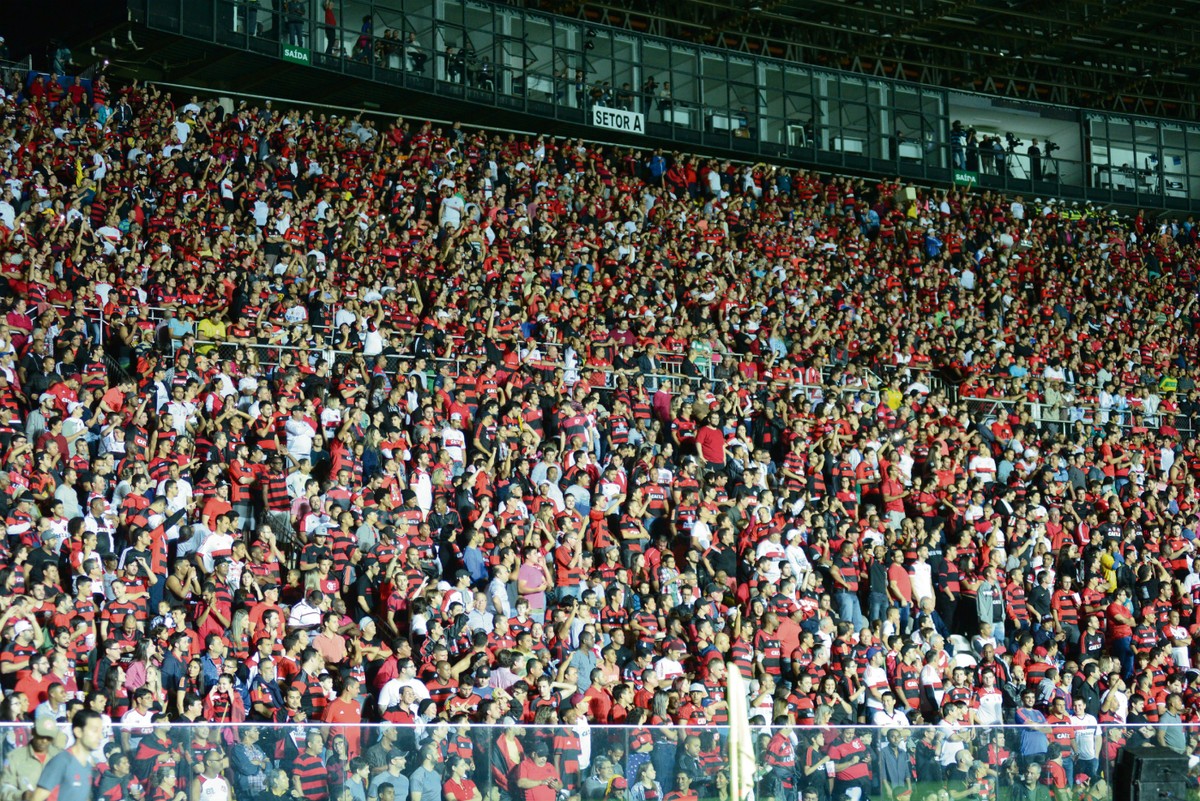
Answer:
[(645, 786), (193, 682), (114, 690), (337, 763), (144, 654), (829, 695), (155, 686), (641, 742), (666, 737), (13, 710), (239, 634)]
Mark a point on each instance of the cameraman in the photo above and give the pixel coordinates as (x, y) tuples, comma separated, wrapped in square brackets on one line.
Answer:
[(1035, 160)]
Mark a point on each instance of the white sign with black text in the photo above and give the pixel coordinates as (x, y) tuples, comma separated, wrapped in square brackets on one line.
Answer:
[(618, 119)]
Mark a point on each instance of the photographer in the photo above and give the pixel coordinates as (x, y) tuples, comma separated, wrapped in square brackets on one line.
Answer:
[(1035, 160)]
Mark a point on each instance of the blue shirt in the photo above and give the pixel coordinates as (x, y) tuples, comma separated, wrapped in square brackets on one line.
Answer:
[(1033, 742), (427, 783), (475, 564), (69, 776), (399, 785)]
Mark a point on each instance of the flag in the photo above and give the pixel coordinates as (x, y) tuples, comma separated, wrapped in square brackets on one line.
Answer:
[(741, 745)]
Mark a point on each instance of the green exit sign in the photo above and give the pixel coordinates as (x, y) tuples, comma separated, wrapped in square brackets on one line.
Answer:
[(296, 55), (966, 177)]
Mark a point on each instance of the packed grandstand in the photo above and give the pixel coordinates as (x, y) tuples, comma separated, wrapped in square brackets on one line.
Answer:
[(516, 444)]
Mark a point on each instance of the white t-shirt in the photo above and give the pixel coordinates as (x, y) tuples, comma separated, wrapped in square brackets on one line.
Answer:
[(422, 486), (452, 211), (991, 708), (982, 466), (667, 669), (1087, 735), (300, 435), (950, 748), (214, 544), (138, 724), (455, 443), (331, 420), (216, 789), (874, 677)]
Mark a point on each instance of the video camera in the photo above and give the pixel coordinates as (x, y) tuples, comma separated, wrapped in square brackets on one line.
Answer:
[(1050, 147), (1013, 141)]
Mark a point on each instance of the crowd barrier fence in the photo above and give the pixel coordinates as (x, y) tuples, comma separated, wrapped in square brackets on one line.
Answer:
[(901, 760)]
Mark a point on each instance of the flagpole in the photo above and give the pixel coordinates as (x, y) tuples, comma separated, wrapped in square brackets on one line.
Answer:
[(742, 766)]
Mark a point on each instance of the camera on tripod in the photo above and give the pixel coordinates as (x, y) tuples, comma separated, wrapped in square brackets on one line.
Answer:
[(1013, 141), (1050, 147)]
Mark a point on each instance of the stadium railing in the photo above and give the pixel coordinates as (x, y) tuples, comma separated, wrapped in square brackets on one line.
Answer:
[(901, 762), (271, 356)]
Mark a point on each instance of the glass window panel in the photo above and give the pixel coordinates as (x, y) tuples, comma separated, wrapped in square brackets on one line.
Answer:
[(849, 118), (685, 87), (566, 36), (716, 83), (451, 12), (569, 63), (479, 29), (773, 77), (418, 20), (1148, 152), (906, 119), (531, 56), (598, 62), (743, 112), (656, 70), (772, 104), (1192, 162), (350, 16), (625, 77), (742, 70), (450, 64), (1120, 130), (1174, 161), (933, 106)]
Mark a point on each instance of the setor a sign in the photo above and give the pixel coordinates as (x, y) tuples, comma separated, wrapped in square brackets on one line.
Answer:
[(618, 120)]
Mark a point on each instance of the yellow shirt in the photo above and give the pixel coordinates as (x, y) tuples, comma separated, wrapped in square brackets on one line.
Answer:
[(210, 330)]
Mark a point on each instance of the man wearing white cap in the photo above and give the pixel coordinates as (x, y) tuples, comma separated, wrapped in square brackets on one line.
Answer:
[(25, 632)]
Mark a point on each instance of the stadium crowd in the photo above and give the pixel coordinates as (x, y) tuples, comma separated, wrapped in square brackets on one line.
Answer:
[(305, 418)]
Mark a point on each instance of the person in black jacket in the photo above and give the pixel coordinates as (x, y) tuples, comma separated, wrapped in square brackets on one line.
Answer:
[(689, 765), (1040, 595)]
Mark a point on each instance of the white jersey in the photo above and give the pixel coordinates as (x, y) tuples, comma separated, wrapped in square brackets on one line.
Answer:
[(213, 789)]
